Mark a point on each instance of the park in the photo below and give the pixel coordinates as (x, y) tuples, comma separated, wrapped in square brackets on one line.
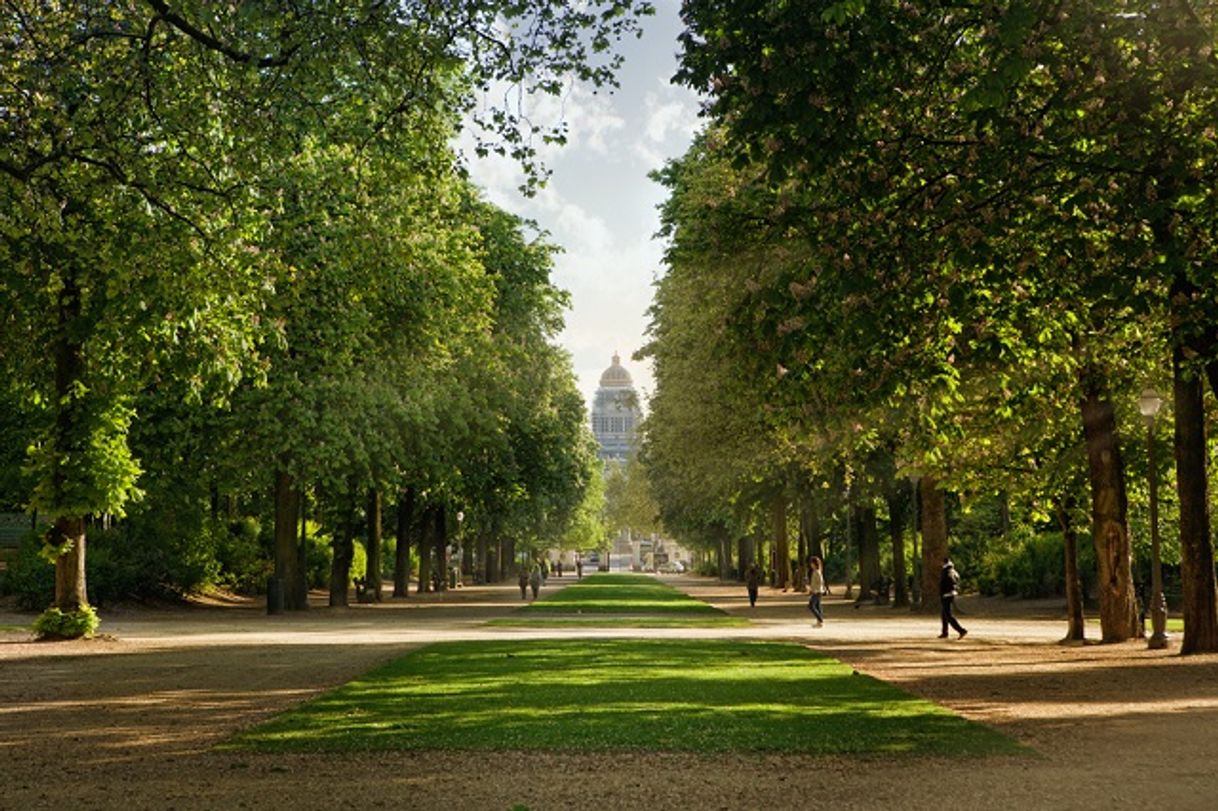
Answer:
[(315, 488), (219, 706)]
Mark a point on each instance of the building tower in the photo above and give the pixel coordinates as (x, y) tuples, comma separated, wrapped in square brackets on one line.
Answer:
[(615, 413)]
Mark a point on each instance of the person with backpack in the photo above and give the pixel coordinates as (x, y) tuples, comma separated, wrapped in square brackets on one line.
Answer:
[(949, 589), (752, 581)]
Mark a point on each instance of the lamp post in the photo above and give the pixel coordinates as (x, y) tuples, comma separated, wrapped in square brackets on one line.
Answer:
[(1149, 403)]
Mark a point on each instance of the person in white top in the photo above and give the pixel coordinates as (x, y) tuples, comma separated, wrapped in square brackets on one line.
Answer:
[(816, 587)]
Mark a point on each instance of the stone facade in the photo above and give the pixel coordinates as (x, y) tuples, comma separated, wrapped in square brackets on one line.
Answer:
[(616, 413)]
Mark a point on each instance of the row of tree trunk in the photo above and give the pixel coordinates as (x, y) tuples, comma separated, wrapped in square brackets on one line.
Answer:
[(418, 524)]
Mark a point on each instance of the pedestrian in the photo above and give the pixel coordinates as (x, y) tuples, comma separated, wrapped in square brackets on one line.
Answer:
[(535, 581), (752, 579), (816, 587), (524, 583), (558, 568), (579, 568), (949, 588)]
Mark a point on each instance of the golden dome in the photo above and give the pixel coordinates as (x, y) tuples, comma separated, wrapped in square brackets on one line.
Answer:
[(616, 377)]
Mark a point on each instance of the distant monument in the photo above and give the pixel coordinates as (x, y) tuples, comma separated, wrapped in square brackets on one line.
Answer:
[(615, 413)]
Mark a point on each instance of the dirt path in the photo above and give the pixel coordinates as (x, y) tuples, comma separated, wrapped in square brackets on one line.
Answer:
[(128, 721)]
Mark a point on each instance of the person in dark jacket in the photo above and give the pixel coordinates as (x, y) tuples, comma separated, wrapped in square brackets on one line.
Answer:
[(949, 587), (752, 580)]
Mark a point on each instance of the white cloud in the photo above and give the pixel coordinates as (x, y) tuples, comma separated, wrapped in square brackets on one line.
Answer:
[(670, 118), (600, 205)]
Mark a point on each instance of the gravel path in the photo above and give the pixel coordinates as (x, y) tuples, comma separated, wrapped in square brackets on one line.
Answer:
[(128, 720)]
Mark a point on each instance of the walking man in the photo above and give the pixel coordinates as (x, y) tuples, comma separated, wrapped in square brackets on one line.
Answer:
[(949, 587), (752, 579)]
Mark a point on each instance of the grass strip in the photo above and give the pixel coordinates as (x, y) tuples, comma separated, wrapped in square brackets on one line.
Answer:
[(622, 695), (619, 594), (616, 621)]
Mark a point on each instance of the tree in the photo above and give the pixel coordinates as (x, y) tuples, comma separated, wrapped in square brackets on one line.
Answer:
[(134, 139), (960, 126)]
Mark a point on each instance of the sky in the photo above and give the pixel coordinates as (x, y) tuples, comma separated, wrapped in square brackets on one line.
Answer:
[(599, 204)]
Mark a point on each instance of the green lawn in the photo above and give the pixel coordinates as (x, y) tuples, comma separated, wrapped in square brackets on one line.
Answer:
[(618, 594), (622, 695), (15, 629), (612, 621)]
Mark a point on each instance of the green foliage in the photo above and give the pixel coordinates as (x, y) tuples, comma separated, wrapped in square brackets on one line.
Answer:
[(147, 560), (244, 564), (88, 468), (623, 695), (629, 501), (30, 579), (309, 264), (1033, 565), (54, 624)]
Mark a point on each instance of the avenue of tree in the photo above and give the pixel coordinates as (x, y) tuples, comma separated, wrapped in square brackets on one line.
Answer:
[(239, 264), (945, 243)]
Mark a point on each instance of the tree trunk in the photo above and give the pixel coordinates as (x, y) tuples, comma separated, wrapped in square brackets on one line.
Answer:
[(724, 542), (481, 555), (344, 552), (804, 505), (511, 566), (782, 547), (494, 553), (301, 584), (287, 551), (440, 541), (934, 540), (869, 550), (401, 552), (1192, 487), (1075, 624), (1109, 510), (816, 531), (898, 509), (70, 592), (742, 556), (68, 531), (373, 544), (425, 532)]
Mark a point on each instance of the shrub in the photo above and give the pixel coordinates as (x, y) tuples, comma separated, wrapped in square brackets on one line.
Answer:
[(243, 562), (1034, 566), (55, 624), (138, 561), (30, 579)]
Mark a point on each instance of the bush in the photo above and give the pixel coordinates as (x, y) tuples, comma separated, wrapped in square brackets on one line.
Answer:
[(30, 579), (1034, 566), (138, 561), (243, 562), (55, 624)]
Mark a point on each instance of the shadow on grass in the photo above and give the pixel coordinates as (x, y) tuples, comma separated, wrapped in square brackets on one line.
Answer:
[(596, 695)]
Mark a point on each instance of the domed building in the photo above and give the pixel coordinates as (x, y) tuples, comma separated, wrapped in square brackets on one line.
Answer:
[(615, 413)]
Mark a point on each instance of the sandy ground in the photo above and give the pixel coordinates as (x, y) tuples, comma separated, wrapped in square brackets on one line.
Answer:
[(129, 720)]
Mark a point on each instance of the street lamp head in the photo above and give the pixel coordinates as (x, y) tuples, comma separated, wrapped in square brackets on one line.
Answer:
[(1149, 403), (460, 516)]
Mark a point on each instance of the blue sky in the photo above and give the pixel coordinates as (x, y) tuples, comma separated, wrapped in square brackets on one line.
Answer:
[(599, 204)]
